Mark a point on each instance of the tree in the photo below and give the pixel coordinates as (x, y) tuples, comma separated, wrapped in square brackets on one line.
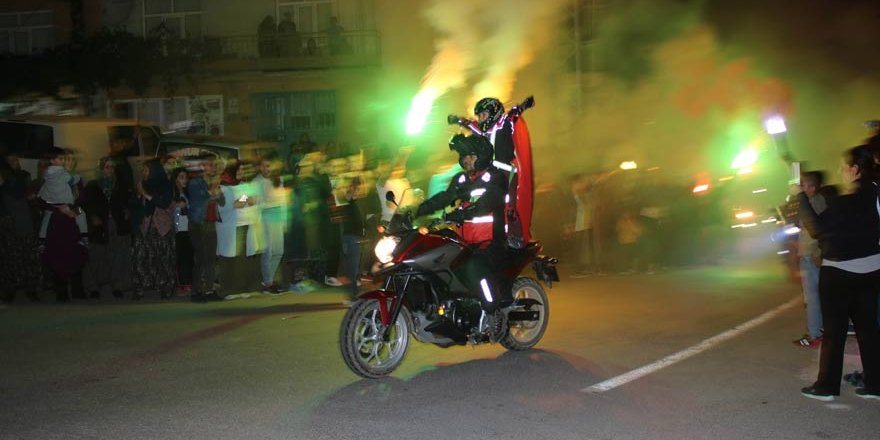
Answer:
[(103, 61)]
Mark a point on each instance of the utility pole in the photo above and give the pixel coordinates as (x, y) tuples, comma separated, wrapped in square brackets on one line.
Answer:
[(583, 34)]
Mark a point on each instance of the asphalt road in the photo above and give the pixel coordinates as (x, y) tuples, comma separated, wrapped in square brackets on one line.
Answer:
[(270, 368)]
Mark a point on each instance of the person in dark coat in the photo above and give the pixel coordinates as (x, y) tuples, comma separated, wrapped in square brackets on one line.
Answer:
[(848, 231), (106, 203), (19, 261)]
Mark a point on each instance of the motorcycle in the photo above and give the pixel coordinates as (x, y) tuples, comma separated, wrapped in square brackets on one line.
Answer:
[(425, 295)]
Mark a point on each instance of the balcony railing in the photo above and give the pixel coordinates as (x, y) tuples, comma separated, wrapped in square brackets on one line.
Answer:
[(302, 51)]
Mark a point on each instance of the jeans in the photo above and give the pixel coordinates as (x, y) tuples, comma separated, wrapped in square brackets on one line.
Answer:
[(273, 234), (810, 284)]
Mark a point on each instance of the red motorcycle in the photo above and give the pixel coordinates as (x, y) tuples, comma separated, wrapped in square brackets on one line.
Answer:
[(435, 289)]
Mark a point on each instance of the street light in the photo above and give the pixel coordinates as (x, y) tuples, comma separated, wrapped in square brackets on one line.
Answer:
[(628, 165), (775, 126)]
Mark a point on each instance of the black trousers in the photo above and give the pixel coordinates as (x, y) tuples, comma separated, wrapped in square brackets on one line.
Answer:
[(204, 242), (848, 296), (241, 273), (185, 260), (74, 284)]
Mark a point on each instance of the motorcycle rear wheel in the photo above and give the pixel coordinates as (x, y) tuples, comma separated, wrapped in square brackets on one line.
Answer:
[(523, 335), (363, 348)]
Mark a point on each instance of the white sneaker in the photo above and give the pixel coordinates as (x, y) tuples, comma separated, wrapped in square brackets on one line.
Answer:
[(332, 281)]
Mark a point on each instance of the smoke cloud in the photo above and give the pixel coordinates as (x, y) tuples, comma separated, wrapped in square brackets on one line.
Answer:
[(487, 43)]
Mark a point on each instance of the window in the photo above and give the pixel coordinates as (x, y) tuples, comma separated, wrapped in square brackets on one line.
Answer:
[(26, 32), (310, 16), (177, 18), (126, 139), (27, 140), (285, 116), (199, 114)]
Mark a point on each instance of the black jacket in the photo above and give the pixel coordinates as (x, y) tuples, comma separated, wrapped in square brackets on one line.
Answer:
[(490, 202), (849, 228)]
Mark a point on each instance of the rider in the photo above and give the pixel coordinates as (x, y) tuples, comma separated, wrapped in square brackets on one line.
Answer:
[(509, 136), (481, 187)]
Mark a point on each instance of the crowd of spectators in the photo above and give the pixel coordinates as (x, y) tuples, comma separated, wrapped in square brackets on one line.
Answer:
[(203, 227), (626, 222)]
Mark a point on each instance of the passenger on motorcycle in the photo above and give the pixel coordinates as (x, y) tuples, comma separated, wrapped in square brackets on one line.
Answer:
[(508, 134), (482, 189)]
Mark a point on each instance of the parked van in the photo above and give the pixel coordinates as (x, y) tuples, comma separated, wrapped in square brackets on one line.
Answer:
[(90, 139), (185, 148)]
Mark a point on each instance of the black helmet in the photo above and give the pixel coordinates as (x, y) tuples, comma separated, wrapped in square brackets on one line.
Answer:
[(477, 145), (492, 106)]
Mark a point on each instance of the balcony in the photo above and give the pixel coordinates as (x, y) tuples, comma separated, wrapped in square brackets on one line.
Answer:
[(302, 52)]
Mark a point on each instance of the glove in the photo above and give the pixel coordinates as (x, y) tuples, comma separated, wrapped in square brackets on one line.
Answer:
[(456, 216), (452, 119), (523, 106)]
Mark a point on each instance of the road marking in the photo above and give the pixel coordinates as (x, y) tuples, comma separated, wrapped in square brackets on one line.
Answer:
[(706, 344)]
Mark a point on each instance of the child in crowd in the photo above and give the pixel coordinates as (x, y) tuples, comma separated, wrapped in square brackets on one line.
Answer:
[(57, 190)]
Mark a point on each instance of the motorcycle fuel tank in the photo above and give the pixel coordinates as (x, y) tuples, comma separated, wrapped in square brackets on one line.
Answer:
[(431, 253)]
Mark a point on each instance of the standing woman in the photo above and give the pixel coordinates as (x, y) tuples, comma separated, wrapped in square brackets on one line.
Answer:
[(181, 236), (106, 203), (153, 248), (238, 236), (20, 258), (849, 278)]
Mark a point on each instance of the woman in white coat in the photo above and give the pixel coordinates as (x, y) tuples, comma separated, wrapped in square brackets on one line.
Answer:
[(239, 236)]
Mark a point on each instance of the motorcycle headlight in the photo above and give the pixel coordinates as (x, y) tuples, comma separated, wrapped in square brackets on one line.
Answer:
[(385, 247)]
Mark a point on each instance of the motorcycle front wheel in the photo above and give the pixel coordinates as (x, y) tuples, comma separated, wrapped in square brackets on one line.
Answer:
[(523, 335), (364, 350)]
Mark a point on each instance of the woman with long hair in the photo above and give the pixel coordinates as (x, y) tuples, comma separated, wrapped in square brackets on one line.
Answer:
[(180, 179), (848, 231), (153, 248)]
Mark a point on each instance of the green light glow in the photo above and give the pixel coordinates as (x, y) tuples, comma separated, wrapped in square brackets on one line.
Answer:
[(745, 159), (419, 110)]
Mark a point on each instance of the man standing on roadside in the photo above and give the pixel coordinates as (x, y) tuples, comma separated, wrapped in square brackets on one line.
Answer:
[(810, 261), (204, 198)]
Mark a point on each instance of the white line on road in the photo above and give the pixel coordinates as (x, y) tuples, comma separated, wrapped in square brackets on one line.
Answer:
[(615, 382)]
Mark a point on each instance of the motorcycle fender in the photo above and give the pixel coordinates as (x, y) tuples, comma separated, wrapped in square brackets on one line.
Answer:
[(385, 298), (545, 269)]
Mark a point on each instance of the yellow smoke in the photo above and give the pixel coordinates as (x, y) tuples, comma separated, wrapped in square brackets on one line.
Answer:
[(485, 43)]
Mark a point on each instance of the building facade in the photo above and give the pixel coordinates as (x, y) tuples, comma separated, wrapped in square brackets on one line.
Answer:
[(270, 69)]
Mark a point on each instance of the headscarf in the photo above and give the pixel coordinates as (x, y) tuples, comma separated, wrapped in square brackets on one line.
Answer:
[(157, 186), (106, 183)]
